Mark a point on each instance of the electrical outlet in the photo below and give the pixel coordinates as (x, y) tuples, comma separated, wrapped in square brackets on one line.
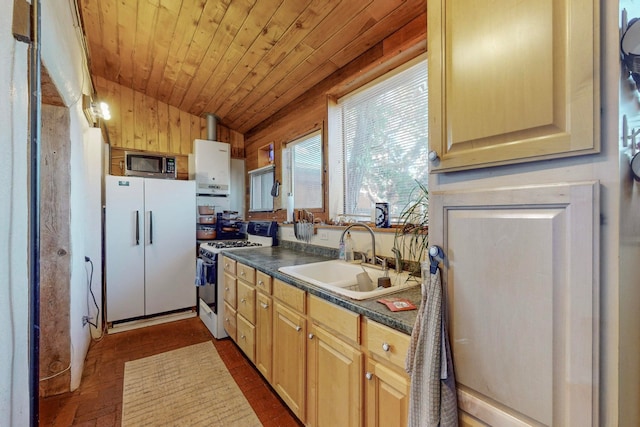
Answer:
[(323, 235)]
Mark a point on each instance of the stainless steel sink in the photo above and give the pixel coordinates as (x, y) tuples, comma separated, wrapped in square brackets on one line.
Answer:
[(341, 277)]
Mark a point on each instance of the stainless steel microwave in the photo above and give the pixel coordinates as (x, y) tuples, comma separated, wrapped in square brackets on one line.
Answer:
[(150, 165)]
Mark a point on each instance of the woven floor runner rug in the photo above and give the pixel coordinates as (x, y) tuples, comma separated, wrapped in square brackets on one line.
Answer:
[(190, 386)]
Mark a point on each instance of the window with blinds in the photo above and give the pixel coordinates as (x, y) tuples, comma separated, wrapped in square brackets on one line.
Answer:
[(384, 141), (304, 164)]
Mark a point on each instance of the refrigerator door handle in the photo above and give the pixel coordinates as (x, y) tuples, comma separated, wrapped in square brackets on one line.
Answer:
[(151, 227), (137, 228)]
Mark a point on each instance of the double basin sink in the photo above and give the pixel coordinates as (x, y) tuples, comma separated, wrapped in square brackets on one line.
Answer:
[(341, 277)]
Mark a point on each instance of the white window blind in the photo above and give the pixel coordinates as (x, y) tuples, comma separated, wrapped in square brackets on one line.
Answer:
[(306, 171), (384, 141), (261, 183)]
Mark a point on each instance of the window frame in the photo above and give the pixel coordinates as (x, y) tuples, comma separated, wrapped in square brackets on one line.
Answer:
[(287, 168), (335, 161)]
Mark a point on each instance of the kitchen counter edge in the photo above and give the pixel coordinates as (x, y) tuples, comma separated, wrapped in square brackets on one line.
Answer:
[(269, 259)]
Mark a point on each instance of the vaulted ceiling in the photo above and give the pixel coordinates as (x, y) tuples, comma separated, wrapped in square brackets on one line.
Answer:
[(241, 60)]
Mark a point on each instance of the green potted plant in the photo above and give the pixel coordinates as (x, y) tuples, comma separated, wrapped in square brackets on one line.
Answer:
[(412, 233)]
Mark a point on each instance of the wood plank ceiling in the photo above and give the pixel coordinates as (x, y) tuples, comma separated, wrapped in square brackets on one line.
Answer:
[(241, 60)]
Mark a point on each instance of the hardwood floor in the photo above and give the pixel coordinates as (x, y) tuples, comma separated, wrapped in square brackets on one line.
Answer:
[(98, 400)]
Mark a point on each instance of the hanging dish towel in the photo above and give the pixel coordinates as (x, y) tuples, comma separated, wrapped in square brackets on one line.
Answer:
[(200, 279), (432, 400)]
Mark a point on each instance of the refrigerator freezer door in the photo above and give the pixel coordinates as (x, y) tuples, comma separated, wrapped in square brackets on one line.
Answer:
[(170, 209), (124, 244)]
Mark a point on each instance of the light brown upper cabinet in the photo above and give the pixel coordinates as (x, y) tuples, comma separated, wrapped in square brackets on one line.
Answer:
[(512, 82)]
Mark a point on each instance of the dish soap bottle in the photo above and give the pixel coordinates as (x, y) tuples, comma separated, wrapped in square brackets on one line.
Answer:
[(348, 248)]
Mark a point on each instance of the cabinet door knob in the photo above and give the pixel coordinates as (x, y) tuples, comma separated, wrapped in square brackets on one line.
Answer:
[(264, 305), (368, 376), (226, 288), (242, 273), (260, 283), (386, 347), (243, 300), (433, 156), (226, 265), (298, 328), (242, 337), (310, 336)]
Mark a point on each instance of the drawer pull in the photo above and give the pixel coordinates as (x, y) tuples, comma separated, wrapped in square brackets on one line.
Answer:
[(264, 305), (311, 336), (369, 376), (260, 283), (298, 328), (243, 300), (226, 265), (386, 347), (242, 273)]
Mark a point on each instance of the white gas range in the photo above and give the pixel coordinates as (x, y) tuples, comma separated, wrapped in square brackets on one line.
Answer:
[(211, 294)]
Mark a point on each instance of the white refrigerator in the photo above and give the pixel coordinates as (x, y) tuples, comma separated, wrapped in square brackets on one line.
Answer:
[(149, 244)]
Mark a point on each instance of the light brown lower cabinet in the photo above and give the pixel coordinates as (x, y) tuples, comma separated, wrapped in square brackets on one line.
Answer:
[(314, 355), (246, 336), (387, 396), (230, 320), (289, 357), (264, 337), (334, 381)]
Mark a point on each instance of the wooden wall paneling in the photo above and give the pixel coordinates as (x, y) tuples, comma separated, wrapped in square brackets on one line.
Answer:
[(175, 132), (117, 161), (222, 134), (139, 122), (185, 133), (151, 117), (55, 251), (111, 95), (163, 127), (128, 118), (236, 139), (196, 131)]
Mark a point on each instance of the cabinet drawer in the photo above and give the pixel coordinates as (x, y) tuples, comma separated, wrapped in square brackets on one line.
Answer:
[(230, 321), (247, 301), (246, 273), (290, 295), (263, 282), (339, 319), (230, 290), (246, 333), (229, 265), (387, 343)]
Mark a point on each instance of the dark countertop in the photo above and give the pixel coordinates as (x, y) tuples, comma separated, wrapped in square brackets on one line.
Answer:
[(269, 259)]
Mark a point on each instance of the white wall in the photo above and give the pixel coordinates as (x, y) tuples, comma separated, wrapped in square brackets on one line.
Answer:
[(63, 58), (14, 389), (61, 55)]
